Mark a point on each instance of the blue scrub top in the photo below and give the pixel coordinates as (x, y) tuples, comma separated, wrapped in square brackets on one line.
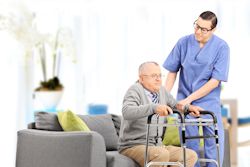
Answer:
[(197, 66)]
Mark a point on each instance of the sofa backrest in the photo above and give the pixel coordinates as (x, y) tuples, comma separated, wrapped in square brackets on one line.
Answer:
[(108, 125), (47, 121), (104, 125)]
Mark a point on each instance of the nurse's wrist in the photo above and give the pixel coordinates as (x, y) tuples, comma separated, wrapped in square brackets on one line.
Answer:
[(189, 99)]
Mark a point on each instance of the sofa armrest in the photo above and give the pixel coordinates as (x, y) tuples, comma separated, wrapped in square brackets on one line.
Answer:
[(39, 148)]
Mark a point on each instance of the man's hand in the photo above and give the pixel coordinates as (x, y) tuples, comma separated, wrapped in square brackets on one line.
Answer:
[(163, 110), (195, 110)]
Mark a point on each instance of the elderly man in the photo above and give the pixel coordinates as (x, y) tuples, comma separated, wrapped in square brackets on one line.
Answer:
[(144, 98)]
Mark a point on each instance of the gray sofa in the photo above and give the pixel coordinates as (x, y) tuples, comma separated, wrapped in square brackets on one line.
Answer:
[(45, 144)]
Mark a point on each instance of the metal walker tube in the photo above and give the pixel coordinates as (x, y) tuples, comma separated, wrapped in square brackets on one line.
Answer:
[(146, 164), (215, 124)]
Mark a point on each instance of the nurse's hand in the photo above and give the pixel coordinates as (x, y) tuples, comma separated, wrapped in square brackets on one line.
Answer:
[(195, 110)]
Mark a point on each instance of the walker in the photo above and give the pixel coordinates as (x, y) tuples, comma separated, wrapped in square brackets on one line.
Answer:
[(182, 122)]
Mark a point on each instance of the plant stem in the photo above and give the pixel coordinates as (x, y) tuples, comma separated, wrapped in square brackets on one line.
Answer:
[(55, 54), (43, 61), (58, 63)]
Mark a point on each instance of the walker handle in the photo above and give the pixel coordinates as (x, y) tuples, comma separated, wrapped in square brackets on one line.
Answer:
[(174, 112), (204, 113)]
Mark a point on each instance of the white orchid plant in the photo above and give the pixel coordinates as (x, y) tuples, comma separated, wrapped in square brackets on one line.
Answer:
[(22, 26)]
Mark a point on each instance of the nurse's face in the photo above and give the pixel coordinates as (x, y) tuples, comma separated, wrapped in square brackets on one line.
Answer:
[(151, 77), (203, 30)]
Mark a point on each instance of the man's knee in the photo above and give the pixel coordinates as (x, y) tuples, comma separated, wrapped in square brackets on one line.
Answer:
[(192, 157), (159, 154)]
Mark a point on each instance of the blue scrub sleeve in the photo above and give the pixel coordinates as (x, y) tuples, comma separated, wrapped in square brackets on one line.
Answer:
[(173, 61), (221, 66)]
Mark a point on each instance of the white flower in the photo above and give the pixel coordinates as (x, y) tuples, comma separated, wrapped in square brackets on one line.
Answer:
[(59, 43), (21, 23)]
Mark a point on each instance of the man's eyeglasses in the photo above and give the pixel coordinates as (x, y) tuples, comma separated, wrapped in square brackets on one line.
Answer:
[(203, 30), (155, 76)]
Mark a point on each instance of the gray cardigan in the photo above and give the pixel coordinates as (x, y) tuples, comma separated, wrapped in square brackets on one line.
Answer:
[(136, 109)]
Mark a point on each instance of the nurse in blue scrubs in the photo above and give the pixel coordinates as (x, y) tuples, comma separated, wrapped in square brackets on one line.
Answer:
[(202, 59)]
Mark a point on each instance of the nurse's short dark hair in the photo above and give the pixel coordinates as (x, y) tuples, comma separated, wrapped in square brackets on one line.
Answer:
[(210, 16)]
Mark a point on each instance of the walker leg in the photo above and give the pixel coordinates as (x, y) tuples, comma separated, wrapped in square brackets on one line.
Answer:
[(146, 151)]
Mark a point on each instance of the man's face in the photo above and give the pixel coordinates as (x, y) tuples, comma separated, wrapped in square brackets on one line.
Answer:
[(150, 78), (202, 30)]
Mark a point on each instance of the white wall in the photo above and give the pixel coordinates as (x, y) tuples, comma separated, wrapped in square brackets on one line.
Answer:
[(114, 37)]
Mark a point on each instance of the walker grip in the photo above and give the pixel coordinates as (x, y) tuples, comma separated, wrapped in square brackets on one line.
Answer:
[(204, 113), (174, 112)]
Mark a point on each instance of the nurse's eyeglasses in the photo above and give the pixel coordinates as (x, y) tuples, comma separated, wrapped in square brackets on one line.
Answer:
[(203, 30)]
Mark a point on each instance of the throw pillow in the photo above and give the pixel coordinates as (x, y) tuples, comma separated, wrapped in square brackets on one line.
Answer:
[(71, 122), (171, 136), (47, 121), (104, 125)]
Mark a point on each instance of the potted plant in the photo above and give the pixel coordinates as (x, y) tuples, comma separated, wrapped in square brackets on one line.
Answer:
[(49, 93), (50, 89), (21, 23)]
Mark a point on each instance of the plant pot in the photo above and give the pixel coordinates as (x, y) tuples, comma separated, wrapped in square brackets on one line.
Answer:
[(49, 99)]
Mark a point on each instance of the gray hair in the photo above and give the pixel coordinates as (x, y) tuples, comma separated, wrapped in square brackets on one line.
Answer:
[(143, 66)]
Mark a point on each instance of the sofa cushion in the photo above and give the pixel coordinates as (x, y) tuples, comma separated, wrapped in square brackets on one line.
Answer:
[(114, 159), (171, 136), (117, 122), (71, 122), (47, 121), (104, 125)]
